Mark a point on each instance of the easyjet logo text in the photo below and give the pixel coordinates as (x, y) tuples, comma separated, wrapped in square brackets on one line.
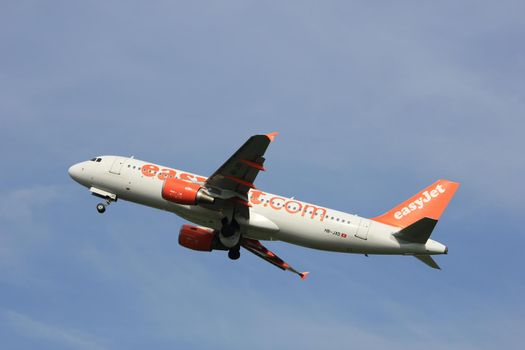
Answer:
[(151, 170), (420, 203), (289, 205), (276, 203)]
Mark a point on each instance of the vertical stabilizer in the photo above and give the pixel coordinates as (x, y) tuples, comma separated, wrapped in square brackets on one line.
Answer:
[(428, 203)]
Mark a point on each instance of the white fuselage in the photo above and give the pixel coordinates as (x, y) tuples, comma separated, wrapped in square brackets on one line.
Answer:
[(272, 217)]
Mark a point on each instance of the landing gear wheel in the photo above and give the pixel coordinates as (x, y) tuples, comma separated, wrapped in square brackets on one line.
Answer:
[(101, 208), (228, 231), (234, 253)]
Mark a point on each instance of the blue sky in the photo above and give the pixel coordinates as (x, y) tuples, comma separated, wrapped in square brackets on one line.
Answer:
[(373, 101)]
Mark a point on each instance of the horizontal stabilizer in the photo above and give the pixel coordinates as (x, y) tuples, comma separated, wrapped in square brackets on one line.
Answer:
[(418, 232), (427, 259)]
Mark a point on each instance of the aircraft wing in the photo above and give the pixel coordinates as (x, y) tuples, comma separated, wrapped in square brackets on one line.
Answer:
[(232, 181), (258, 249)]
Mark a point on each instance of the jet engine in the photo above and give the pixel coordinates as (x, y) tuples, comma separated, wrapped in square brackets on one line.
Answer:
[(184, 192), (196, 238), (200, 238)]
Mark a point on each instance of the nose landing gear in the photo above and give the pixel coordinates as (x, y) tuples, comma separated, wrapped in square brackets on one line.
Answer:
[(107, 196), (101, 208)]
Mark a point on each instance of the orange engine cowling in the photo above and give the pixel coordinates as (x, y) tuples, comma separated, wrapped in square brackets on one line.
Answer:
[(196, 238), (185, 192)]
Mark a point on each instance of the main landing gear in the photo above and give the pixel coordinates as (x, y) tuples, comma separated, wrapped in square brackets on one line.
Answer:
[(230, 237), (235, 252)]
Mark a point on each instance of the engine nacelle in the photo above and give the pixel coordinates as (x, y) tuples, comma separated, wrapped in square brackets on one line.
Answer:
[(184, 192), (198, 238)]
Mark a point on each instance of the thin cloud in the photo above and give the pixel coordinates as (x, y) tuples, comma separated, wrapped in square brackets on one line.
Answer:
[(61, 336)]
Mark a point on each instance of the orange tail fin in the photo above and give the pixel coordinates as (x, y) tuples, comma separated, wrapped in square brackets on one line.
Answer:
[(429, 203)]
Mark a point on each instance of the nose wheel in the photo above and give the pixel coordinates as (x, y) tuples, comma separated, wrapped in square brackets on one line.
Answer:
[(101, 208)]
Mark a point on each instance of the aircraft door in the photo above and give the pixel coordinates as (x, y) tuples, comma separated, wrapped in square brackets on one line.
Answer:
[(116, 167), (362, 230)]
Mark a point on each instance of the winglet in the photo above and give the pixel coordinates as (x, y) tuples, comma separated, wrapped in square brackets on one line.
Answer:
[(303, 275), (272, 135)]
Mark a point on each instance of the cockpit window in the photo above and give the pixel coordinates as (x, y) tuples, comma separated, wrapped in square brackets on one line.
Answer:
[(99, 160), (93, 159)]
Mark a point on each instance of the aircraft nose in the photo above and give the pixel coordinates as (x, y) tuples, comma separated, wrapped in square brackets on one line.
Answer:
[(75, 171)]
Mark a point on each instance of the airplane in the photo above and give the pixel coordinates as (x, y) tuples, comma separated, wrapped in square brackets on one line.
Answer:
[(229, 212)]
